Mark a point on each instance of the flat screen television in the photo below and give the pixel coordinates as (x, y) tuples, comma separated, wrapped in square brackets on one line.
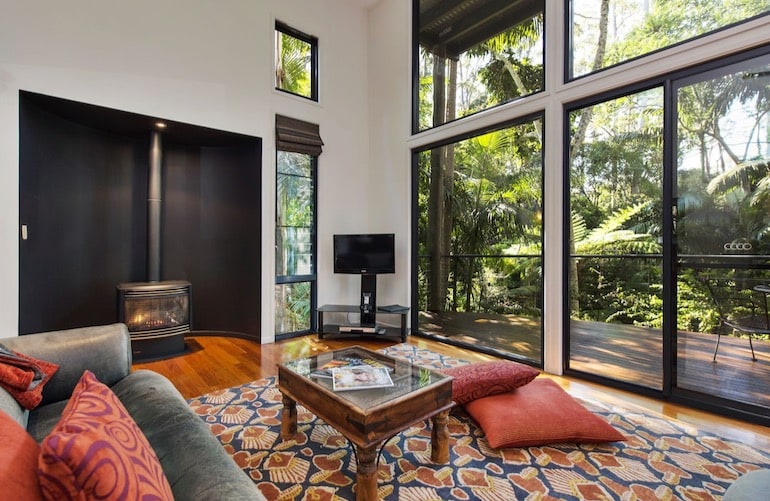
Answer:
[(365, 254)]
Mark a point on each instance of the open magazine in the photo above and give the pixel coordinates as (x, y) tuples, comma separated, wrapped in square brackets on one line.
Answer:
[(325, 371), (360, 377)]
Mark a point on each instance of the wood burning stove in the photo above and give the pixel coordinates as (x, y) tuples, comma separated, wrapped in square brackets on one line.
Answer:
[(157, 314)]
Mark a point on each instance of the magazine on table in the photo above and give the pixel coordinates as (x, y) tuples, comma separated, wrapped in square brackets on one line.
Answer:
[(325, 371), (360, 377)]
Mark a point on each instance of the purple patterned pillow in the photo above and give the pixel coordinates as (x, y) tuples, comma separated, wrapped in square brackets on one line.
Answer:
[(97, 451), (482, 379)]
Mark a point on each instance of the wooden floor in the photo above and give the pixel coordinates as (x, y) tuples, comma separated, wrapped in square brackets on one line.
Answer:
[(213, 363), (627, 353)]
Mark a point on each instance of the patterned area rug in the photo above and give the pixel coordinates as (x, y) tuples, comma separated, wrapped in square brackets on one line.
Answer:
[(662, 459)]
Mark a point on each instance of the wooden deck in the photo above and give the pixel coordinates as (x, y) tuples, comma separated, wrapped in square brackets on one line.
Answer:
[(624, 352)]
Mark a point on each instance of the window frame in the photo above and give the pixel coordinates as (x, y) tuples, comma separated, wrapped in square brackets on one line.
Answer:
[(311, 277), (281, 27), (415, 75), (568, 59), (297, 136)]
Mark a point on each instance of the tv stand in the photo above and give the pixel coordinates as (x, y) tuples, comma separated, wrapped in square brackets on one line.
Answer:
[(362, 329), (368, 298)]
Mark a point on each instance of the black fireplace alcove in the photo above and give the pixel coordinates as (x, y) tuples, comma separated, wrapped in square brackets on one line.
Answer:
[(83, 174)]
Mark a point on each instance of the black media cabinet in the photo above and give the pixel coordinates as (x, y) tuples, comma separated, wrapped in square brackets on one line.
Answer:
[(366, 330)]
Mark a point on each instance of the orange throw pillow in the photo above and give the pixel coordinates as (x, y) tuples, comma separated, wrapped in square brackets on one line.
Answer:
[(18, 462), (539, 413), (97, 451), (482, 379)]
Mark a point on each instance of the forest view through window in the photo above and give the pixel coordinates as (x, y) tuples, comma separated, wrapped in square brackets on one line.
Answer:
[(295, 242), (714, 237), (475, 55), (480, 241), (296, 62), (608, 32)]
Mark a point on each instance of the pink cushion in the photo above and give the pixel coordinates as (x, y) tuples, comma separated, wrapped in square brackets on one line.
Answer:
[(18, 462), (97, 451), (488, 378), (539, 413)]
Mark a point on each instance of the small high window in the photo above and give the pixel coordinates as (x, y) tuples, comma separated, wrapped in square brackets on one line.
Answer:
[(296, 62)]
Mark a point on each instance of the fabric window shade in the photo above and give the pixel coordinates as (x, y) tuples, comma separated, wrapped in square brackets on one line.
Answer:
[(297, 136)]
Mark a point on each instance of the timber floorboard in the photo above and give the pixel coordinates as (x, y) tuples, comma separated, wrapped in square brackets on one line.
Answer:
[(217, 362)]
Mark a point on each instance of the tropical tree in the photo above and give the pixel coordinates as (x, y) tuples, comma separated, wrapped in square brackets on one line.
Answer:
[(617, 289), (293, 58)]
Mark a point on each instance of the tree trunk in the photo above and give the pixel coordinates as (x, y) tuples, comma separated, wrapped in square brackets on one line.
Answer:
[(577, 140), (449, 175), (437, 278)]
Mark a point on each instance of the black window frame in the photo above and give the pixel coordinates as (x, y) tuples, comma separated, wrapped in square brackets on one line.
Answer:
[(313, 42), (297, 136), (568, 61)]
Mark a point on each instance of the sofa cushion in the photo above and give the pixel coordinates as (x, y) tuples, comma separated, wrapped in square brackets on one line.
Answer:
[(96, 450), (488, 378), (10, 406), (539, 413), (171, 426), (44, 419), (18, 461), (105, 350)]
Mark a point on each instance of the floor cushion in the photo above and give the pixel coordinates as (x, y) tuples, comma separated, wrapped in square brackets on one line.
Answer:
[(482, 379), (538, 413)]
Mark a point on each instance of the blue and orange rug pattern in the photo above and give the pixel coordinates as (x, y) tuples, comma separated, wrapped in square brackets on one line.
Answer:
[(662, 459)]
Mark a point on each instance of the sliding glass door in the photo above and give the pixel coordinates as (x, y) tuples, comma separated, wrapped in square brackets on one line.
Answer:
[(723, 232), (668, 246), (479, 237), (615, 260)]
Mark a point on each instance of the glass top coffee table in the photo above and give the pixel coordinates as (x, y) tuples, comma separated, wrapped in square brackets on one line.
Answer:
[(367, 417)]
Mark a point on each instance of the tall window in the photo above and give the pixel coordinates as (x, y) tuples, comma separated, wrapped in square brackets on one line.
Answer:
[(298, 146), (615, 276), (296, 62), (475, 55), (660, 173), (480, 241), (604, 33)]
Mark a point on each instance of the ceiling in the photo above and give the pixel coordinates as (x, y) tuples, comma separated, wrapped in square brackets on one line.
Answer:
[(451, 27)]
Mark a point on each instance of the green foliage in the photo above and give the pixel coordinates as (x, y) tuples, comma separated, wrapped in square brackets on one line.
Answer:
[(696, 311), (616, 179), (495, 205), (293, 66), (672, 21)]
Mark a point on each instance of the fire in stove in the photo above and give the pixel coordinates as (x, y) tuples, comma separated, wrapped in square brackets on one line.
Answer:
[(157, 314)]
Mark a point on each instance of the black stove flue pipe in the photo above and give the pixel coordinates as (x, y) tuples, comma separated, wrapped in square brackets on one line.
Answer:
[(154, 203)]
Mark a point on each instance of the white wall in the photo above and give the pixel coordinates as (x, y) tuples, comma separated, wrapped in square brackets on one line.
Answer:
[(197, 61)]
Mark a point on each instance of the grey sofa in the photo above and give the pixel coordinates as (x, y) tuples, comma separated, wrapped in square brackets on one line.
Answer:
[(195, 463)]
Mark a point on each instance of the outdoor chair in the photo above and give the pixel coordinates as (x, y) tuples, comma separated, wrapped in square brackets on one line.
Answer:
[(742, 307)]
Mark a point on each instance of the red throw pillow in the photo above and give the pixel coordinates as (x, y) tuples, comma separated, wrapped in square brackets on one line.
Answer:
[(539, 413), (488, 378), (97, 451), (18, 462)]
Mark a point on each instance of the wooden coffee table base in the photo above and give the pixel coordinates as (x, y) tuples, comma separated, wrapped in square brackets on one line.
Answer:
[(366, 455)]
